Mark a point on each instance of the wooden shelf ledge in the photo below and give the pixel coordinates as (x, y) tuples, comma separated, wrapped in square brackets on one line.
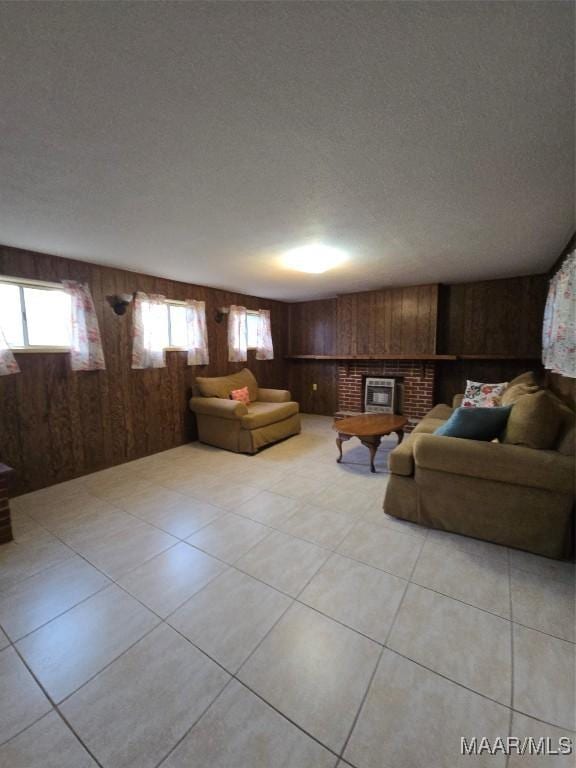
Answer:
[(527, 358), (499, 357), (370, 357)]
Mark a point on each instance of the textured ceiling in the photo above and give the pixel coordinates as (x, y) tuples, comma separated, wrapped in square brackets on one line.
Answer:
[(199, 140)]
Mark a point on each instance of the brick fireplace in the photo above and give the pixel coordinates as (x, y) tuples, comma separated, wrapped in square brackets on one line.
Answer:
[(415, 376)]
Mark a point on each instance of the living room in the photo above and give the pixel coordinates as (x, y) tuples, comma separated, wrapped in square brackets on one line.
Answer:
[(287, 385)]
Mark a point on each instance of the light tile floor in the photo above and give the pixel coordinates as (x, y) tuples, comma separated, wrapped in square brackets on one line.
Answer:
[(199, 608)]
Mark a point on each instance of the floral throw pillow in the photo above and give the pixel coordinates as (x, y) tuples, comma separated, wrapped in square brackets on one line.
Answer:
[(479, 395), (241, 395)]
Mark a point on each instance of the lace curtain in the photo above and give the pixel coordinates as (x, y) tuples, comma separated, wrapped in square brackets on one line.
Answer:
[(559, 330), (149, 331), (8, 363), (86, 352), (237, 335), (197, 337), (264, 347)]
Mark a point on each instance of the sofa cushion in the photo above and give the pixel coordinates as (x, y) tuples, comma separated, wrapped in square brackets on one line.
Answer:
[(480, 395), (531, 378), (429, 424), (401, 459), (511, 464), (567, 442), (513, 393), (261, 414), (525, 384), (535, 421), (476, 423), (221, 386), (440, 411)]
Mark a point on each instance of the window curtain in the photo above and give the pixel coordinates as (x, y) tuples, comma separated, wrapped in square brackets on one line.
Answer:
[(559, 330), (149, 331), (264, 347), (86, 352), (197, 337), (8, 362), (237, 335)]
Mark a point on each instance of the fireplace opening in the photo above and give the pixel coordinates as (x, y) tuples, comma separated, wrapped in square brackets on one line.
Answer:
[(382, 394), (414, 387)]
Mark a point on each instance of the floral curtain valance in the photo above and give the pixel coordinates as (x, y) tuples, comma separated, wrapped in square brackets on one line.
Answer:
[(197, 336), (149, 331), (8, 362), (264, 347), (237, 335), (86, 352), (559, 330)]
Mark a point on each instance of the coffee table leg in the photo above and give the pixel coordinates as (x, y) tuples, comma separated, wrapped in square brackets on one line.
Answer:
[(372, 444), (400, 433), (339, 440)]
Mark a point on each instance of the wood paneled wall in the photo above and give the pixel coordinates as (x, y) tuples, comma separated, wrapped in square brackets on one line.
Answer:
[(495, 317), (302, 374), (56, 424), (312, 328), (502, 317), (492, 317), (387, 321)]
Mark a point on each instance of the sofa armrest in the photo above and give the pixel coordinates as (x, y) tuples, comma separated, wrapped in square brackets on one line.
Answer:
[(457, 401), (512, 464), (274, 395), (401, 459), (219, 407)]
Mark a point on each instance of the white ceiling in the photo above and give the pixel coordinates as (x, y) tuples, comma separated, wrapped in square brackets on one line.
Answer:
[(199, 140)]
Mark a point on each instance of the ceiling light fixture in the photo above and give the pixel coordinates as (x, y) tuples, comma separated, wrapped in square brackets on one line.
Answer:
[(315, 258)]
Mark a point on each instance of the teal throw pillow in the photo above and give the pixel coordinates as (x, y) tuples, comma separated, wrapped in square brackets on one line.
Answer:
[(476, 423)]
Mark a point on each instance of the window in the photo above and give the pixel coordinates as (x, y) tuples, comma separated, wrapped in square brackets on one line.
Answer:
[(35, 315), (252, 322), (177, 333), (173, 331)]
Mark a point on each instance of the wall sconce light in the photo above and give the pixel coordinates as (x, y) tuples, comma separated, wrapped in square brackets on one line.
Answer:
[(120, 302), (221, 313)]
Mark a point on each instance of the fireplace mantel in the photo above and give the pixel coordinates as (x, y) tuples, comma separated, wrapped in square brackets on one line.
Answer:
[(494, 356), (371, 357)]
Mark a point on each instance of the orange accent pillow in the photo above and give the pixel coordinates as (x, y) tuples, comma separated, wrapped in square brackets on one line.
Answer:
[(242, 395)]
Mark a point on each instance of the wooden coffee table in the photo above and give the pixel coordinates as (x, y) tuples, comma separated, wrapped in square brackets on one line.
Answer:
[(369, 428)]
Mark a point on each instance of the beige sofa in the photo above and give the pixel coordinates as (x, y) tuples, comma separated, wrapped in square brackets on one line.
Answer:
[(225, 423), (513, 491)]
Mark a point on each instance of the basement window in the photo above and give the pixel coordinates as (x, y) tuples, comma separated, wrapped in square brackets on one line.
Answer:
[(176, 335), (172, 332), (35, 316), (252, 321)]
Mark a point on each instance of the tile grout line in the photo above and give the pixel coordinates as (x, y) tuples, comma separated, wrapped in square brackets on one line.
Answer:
[(333, 551), (55, 707), (295, 599), (384, 646), (267, 525), (58, 615), (194, 724), (163, 620)]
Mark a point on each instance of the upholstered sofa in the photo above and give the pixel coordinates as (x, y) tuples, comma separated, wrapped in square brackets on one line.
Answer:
[(270, 416), (518, 495)]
